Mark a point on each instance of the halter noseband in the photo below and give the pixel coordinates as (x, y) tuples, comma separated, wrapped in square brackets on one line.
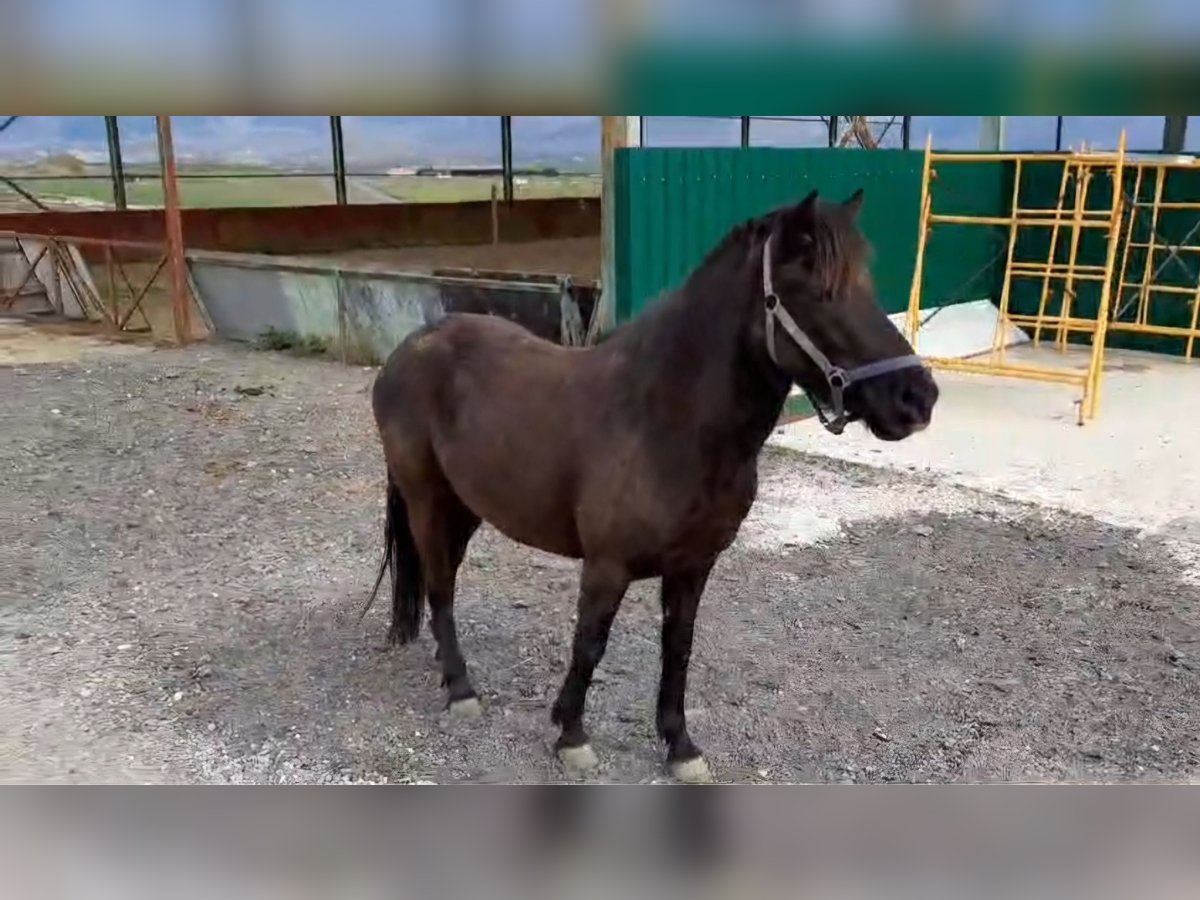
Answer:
[(836, 377)]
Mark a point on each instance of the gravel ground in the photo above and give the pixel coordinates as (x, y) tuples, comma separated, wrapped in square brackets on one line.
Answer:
[(188, 538)]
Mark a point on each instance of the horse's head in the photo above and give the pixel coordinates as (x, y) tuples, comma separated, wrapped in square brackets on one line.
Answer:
[(824, 327)]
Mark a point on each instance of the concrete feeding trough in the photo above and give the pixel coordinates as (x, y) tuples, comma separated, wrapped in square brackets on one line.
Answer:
[(363, 310)]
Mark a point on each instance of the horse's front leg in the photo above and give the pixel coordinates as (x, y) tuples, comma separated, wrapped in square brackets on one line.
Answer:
[(601, 590), (680, 600)]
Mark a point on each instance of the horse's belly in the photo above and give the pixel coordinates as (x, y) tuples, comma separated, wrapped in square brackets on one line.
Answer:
[(561, 541), (527, 503), (543, 527)]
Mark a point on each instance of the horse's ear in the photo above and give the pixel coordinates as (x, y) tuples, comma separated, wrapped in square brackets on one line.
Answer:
[(854, 204), (794, 225), (806, 210)]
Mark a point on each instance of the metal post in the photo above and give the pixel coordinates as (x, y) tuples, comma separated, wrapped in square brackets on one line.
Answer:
[(745, 131), (991, 133), (635, 132), (906, 132), (495, 215), (1058, 134), (833, 131), (112, 284), (614, 134), (339, 160), (115, 163), (506, 157), (179, 276), (1174, 133)]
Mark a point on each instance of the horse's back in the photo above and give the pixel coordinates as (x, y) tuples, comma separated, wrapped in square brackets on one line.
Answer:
[(474, 341), (461, 350)]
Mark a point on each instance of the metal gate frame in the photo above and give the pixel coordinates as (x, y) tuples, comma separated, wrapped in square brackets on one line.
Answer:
[(1082, 168), (1141, 287)]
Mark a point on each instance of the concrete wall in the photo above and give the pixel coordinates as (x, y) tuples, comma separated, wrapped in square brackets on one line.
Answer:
[(326, 229), (363, 312)]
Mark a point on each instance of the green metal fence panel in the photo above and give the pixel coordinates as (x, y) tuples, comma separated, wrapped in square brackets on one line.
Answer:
[(674, 205)]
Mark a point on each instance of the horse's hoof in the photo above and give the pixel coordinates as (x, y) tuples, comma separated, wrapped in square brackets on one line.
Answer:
[(692, 771), (579, 759), (470, 708)]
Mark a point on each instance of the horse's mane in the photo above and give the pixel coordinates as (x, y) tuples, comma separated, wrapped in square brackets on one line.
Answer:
[(834, 250), (829, 244), (642, 328), (828, 238), (740, 235)]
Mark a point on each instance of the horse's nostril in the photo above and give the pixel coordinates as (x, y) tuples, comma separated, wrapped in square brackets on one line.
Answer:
[(916, 401)]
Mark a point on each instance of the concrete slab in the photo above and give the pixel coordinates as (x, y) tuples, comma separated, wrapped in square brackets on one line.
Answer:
[(1134, 465), (961, 330)]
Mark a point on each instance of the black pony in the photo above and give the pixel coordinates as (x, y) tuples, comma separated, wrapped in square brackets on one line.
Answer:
[(638, 455)]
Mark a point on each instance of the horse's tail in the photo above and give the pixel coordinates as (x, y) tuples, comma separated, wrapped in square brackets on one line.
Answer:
[(400, 556)]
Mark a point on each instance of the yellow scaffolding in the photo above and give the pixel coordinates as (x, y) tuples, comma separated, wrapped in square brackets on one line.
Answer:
[(1069, 220), (1140, 287)]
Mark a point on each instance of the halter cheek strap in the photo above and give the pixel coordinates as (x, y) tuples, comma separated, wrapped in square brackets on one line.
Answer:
[(837, 378)]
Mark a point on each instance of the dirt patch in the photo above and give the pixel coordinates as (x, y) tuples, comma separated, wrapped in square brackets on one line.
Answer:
[(184, 564), (34, 343)]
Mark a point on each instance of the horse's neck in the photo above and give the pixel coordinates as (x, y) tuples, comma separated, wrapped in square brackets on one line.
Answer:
[(703, 373)]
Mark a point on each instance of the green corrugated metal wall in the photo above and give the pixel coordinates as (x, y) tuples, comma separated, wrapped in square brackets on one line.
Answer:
[(674, 205)]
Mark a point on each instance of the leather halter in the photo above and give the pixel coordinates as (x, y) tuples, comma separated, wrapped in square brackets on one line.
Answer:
[(837, 378)]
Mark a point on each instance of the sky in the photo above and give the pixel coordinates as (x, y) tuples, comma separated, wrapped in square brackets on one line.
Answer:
[(375, 143), (202, 28)]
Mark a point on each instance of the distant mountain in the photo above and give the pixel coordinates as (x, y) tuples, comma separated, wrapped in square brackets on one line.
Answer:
[(373, 143)]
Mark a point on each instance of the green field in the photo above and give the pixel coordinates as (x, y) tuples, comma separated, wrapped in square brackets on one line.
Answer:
[(210, 186), (450, 190)]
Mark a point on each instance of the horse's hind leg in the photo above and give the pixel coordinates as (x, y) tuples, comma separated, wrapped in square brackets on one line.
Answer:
[(442, 529)]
